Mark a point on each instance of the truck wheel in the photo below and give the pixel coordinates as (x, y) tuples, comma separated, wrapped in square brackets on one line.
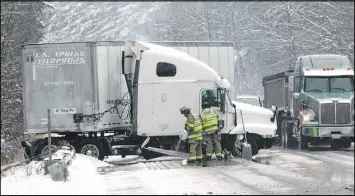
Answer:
[(92, 147), (335, 145), (268, 143), (41, 149), (237, 148), (346, 144)]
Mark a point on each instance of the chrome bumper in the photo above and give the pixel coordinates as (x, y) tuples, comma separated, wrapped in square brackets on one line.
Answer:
[(322, 132)]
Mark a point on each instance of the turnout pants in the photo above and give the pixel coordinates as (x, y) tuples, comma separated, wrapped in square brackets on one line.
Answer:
[(213, 142), (195, 150)]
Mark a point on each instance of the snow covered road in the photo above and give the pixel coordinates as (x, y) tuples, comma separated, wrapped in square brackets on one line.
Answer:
[(279, 171)]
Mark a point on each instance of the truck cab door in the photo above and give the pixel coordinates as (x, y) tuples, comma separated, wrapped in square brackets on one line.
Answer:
[(216, 98)]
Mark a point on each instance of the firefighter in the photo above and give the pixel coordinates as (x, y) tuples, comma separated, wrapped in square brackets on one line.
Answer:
[(211, 128), (194, 128)]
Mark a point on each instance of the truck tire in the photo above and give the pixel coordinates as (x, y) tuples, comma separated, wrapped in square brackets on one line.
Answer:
[(92, 147), (236, 148), (347, 144), (269, 142), (41, 149), (40, 144), (335, 145)]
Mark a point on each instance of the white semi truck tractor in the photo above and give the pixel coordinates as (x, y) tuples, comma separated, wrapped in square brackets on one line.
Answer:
[(107, 98)]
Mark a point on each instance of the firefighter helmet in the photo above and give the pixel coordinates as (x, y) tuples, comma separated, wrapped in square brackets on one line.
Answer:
[(185, 110)]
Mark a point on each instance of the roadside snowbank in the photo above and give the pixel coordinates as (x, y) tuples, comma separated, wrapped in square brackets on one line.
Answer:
[(83, 180)]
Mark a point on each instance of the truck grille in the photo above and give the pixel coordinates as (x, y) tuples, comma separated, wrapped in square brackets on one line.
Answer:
[(343, 113), (327, 113)]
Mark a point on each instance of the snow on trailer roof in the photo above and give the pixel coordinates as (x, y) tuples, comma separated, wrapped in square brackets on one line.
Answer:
[(277, 75), (193, 43), (163, 43), (103, 43)]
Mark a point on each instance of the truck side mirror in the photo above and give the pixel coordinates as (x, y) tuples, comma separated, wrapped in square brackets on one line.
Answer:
[(223, 102), (235, 114), (273, 107), (274, 110)]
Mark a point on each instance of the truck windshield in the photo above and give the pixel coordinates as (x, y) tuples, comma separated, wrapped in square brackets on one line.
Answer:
[(329, 84)]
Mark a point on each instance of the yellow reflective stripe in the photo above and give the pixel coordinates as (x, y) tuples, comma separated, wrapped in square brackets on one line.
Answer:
[(208, 154), (192, 158), (218, 154), (198, 157), (211, 130), (211, 125), (195, 127), (195, 137)]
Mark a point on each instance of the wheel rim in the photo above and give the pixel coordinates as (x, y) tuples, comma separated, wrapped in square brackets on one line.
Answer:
[(90, 150)]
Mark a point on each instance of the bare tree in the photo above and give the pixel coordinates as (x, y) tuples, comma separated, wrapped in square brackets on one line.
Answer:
[(20, 24)]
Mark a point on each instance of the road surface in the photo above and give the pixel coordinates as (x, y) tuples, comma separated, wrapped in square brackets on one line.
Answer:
[(279, 171)]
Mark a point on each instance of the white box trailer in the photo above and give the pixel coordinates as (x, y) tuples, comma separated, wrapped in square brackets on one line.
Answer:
[(86, 77)]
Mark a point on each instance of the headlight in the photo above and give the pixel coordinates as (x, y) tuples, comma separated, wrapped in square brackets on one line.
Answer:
[(308, 115)]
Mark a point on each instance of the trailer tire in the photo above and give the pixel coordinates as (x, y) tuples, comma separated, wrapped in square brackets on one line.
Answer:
[(40, 146), (269, 143), (335, 145), (96, 147), (347, 144)]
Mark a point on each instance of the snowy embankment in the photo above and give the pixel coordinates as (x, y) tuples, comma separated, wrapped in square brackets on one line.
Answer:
[(83, 179)]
